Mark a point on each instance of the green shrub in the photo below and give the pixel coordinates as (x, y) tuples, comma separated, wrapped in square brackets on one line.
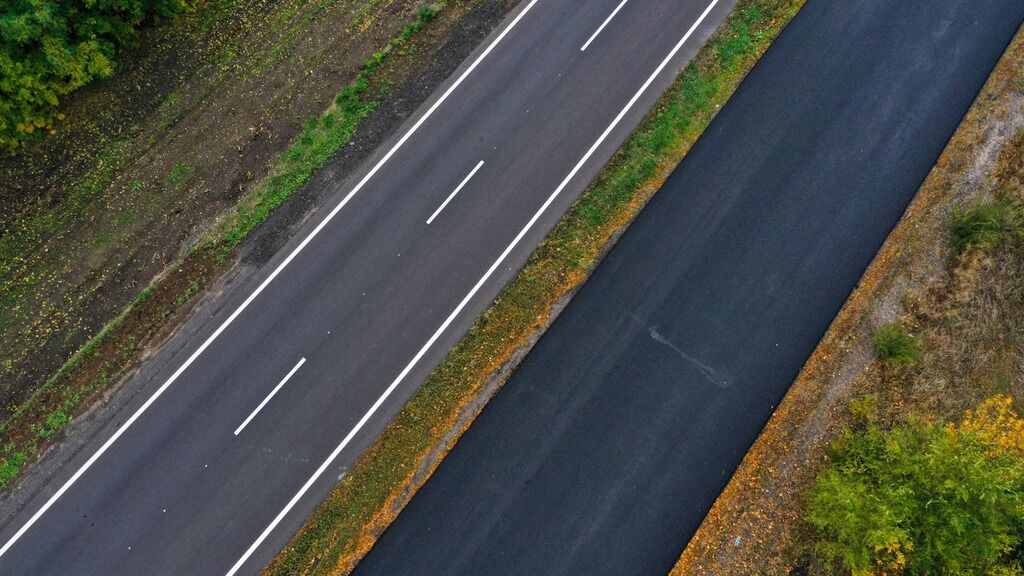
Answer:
[(408, 31), (979, 226), (894, 344), (49, 48), (427, 13), (924, 499)]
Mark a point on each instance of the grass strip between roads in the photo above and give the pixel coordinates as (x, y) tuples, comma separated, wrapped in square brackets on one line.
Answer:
[(347, 523), (34, 424)]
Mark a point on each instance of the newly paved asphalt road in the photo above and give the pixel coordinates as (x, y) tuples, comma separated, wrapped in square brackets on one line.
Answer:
[(182, 480), (603, 452)]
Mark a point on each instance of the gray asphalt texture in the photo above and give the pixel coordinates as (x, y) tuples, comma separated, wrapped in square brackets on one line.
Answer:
[(179, 493), (605, 449)]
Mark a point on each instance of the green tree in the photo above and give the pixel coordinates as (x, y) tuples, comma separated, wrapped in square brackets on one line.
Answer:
[(925, 498), (49, 48)]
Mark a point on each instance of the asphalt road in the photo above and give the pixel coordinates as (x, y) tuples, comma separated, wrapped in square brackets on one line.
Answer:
[(215, 459), (604, 451)]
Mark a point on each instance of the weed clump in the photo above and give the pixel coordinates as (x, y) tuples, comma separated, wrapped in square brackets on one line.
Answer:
[(427, 13), (979, 226), (895, 345), (864, 410), (10, 466), (55, 421)]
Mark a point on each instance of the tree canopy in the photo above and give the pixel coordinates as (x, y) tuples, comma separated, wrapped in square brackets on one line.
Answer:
[(49, 48)]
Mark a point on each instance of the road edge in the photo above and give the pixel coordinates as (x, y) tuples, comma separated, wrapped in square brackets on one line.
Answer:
[(384, 479)]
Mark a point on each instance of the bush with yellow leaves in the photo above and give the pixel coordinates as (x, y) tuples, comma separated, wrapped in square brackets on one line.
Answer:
[(925, 498)]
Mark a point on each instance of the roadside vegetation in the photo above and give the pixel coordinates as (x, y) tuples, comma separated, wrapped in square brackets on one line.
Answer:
[(924, 498), (347, 523), (900, 448), (979, 226), (49, 49), (936, 492), (895, 345), (34, 422)]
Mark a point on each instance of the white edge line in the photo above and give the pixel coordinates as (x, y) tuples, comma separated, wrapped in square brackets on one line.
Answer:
[(456, 191), (451, 317), (149, 402), (269, 396), (603, 24)]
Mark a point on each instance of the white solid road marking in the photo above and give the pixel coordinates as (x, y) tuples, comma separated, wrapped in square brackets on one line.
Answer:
[(456, 191), (245, 304), (451, 317), (269, 396), (603, 24)]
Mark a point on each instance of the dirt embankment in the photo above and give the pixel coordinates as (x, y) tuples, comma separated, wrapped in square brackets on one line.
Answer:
[(966, 311), (146, 163)]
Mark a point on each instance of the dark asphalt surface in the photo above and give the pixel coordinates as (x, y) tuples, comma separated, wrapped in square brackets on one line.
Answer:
[(604, 451), (178, 492)]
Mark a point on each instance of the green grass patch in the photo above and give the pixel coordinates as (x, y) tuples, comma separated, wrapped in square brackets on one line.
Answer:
[(10, 466), (895, 345), (179, 173), (320, 139), (187, 294), (979, 226), (345, 524), (100, 240), (143, 295), (54, 422)]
